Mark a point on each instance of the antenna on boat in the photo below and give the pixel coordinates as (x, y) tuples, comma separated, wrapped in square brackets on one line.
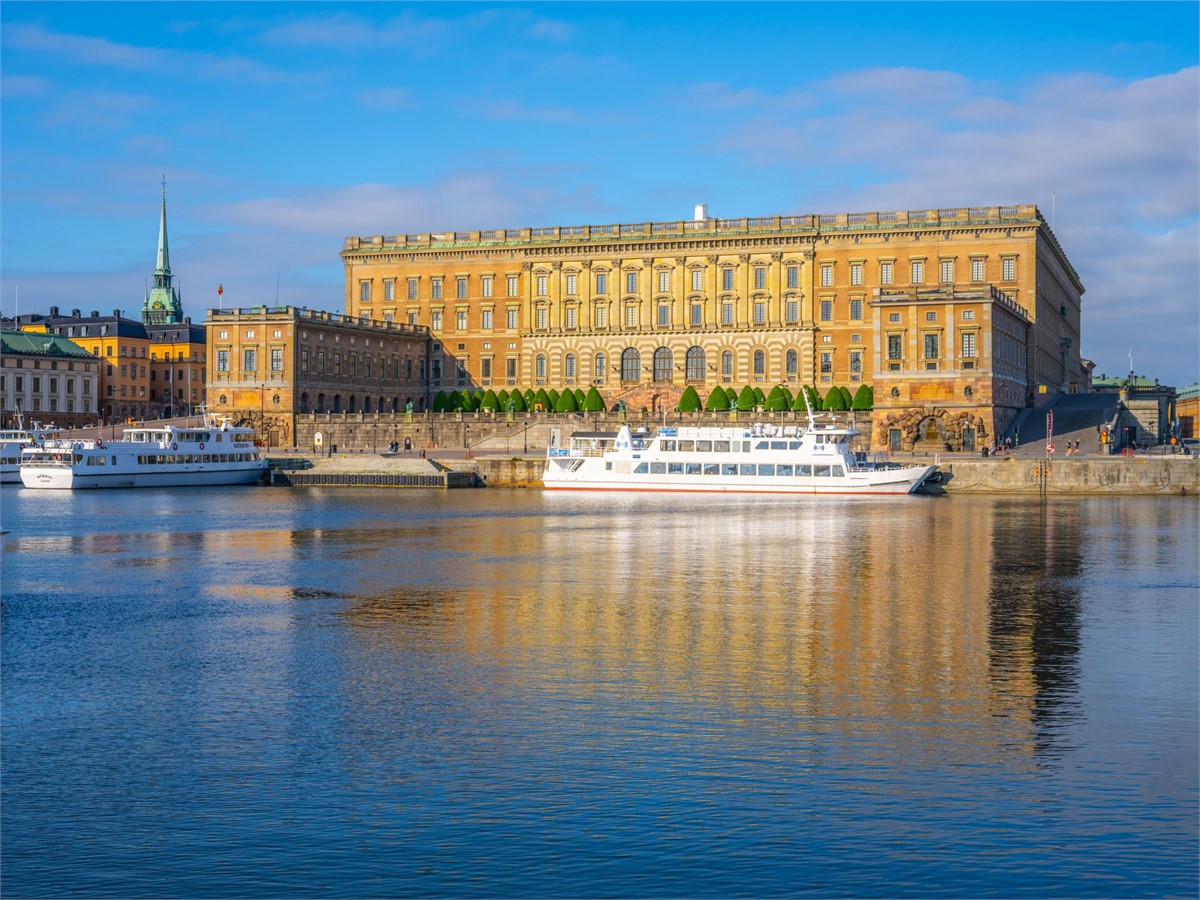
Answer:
[(812, 420)]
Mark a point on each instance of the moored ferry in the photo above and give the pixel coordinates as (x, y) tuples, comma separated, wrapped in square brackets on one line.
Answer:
[(161, 456), (756, 459), (13, 441)]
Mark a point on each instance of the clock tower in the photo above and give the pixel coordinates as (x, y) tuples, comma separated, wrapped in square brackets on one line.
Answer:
[(162, 306)]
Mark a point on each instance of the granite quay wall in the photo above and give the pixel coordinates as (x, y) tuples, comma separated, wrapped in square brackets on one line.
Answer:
[(1148, 474)]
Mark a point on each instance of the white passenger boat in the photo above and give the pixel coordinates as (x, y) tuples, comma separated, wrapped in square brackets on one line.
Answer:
[(14, 440), (756, 459), (159, 456)]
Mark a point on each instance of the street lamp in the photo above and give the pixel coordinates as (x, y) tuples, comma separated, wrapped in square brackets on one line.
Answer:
[(375, 437)]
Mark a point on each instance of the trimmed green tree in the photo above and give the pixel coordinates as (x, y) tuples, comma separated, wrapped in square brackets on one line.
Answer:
[(592, 401), (553, 395), (747, 400), (544, 399), (489, 402), (834, 401), (690, 400), (529, 395), (518, 402), (759, 397), (733, 397), (580, 396), (439, 402), (847, 396), (864, 398), (502, 397), (718, 400), (774, 401), (566, 403)]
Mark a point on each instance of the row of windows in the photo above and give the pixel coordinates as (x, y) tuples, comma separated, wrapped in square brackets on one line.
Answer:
[(760, 470), (662, 366), (946, 271), (250, 359), (35, 384), (85, 403), (931, 346)]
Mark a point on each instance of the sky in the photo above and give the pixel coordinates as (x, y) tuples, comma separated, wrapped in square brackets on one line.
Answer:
[(282, 128)]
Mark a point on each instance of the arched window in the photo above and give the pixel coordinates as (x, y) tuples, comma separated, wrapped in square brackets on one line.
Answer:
[(366, 404), (337, 403), (631, 365), (662, 364), (695, 364), (727, 363), (350, 404), (760, 362), (320, 403), (569, 366), (601, 365), (791, 362), (539, 364)]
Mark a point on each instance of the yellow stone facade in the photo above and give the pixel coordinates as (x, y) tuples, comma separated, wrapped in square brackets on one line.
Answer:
[(661, 305)]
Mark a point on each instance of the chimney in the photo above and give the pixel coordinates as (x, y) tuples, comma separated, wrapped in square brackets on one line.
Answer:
[(54, 312), (701, 213), (95, 314), (116, 314)]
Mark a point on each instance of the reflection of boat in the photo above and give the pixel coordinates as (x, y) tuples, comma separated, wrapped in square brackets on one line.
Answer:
[(758, 459), (14, 440), (162, 456)]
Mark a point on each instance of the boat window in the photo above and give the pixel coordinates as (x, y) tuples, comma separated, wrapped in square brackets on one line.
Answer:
[(712, 469), (839, 472), (803, 471), (729, 468), (779, 445), (793, 445), (693, 468), (669, 446), (822, 471), (641, 469), (766, 469), (745, 446), (785, 471), (820, 438), (763, 445), (747, 468), (674, 468), (658, 468), (687, 446)]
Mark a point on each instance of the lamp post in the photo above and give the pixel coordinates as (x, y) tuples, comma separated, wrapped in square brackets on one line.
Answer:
[(375, 437), (262, 413), (275, 409)]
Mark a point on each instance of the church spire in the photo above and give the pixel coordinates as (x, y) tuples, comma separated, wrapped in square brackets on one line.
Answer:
[(162, 306)]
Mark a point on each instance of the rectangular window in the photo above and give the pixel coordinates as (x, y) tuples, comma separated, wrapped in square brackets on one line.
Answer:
[(826, 310), (631, 282), (930, 317), (968, 315), (856, 310), (539, 366), (485, 285), (947, 271), (826, 363), (977, 270), (364, 291), (510, 368), (436, 320), (726, 313), (856, 275), (276, 359), (485, 319), (664, 282), (664, 315), (856, 362), (793, 311), (893, 317), (460, 287), (304, 361), (895, 346), (460, 319), (760, 313), (541, 285), (540, 317), (968, 345), (249, 360), (826, 275), (793, 276), (510, 319), (572, 285), (918, 272), (435, 291), (1008, 269), (485, 368), (931, 346), (413, 318), (572, 318), (601, 283), (885, 273), (760, 278), (389, 289), (697, 314), (697, 279), (727, 279), (601, 316), (512, 285), (412, 288), (222, 360), (631, 317)]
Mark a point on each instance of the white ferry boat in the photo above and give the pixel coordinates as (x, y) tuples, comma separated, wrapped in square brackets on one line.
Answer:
[(14, 440), (756, 459), (159, 456)]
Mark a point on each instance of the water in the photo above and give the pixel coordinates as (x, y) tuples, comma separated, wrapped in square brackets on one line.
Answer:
[(255, 692)]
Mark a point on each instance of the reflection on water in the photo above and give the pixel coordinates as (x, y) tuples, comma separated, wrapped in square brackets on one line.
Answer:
[(269, 692)]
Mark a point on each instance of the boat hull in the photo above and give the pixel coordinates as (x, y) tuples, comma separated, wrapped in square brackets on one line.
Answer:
[(64, 479), (844, 487)]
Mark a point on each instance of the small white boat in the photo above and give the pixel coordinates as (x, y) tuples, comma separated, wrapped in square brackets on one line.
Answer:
[(756, 459), (14, 440), (160, 456)]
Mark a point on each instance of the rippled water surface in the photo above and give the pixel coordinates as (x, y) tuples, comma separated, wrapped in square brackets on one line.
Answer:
[(316, 693)]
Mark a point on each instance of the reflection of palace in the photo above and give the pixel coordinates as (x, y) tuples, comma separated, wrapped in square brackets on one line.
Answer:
[(788, 605)]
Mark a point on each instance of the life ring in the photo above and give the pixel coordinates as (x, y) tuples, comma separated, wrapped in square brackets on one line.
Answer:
[(99, 443), (58, 457), (201, 445), (174, 446)]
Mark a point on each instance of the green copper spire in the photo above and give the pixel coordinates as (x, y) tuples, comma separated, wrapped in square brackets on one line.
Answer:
[(162, 306)]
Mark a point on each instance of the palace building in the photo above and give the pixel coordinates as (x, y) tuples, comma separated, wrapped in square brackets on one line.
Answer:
[(958, 318)]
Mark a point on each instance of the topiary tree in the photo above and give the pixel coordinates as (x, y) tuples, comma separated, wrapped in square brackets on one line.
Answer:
[(592, 401), (718, 400), (543, 398), (517, 399), (847, 397), (502, 397), (566, 402), (529, 395), (747, 400), (471, 400), (489, 401), (759, 397), (579, 398), (775, 401), (733, 397), (689, 401), (553, 395), (439, 402), (814, 397), (834, 401), (788, 399)]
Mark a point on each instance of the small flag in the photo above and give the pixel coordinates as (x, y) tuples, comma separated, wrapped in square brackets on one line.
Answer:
[(220, 290)]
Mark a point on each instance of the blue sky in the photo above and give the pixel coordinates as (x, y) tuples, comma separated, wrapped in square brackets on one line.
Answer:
[(283, 128)]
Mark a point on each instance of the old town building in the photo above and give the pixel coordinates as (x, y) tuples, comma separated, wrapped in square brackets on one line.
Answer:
[(269, 364), (47, 378), (643, 310)]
